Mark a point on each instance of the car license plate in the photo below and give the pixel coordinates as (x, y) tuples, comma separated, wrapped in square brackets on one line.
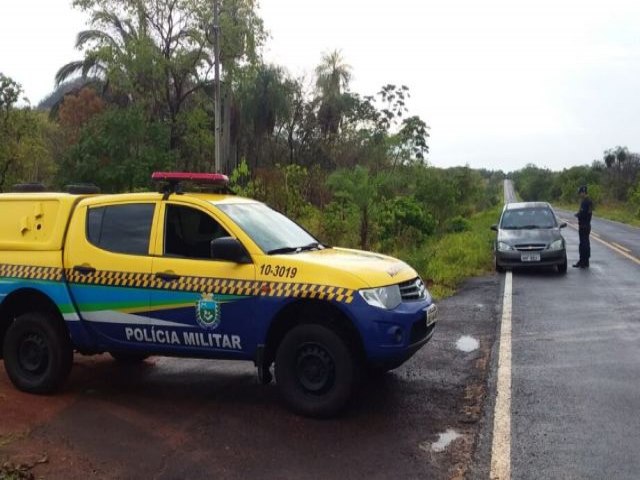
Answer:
[(431, 315), (530, 257)]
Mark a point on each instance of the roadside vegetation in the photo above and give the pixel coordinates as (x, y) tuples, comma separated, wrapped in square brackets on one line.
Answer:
[(351, 167), (613, 181), (446, 260)]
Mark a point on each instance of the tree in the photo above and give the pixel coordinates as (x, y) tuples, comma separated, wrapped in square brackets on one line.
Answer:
[(118, 150), (412, 140), (436, 191), (333, 77), (404, 222), (362, 190), (265, 99), (158, 53), (622, 171), (76, 111), (533, 183), (27, 138)]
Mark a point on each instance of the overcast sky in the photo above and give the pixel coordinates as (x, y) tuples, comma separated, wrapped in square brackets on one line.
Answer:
[(501, 83)]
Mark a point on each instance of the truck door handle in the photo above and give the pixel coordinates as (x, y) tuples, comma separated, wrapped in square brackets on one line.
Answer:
[(167, 277), (84, 269)]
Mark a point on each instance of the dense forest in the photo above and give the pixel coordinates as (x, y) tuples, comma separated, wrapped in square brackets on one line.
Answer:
[(349, 166)]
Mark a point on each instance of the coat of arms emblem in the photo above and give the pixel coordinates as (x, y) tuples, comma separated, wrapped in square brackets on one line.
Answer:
[(208, 312)]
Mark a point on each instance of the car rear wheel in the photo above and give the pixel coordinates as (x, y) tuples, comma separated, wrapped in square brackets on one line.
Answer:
[(37, 353), (316, 370)]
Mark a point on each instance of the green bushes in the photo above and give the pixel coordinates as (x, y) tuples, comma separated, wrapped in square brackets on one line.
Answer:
[(458, 224), (445, 261), (382, 212)]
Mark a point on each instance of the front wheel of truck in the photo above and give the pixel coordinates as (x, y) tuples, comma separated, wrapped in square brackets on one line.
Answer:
[(37, 353), (316, 370)]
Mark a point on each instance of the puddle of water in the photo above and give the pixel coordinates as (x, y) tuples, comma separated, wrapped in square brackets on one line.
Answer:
[(444, 440), (467, 344)]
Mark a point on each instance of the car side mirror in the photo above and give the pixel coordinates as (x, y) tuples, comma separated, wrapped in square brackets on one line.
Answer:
[(494, 227), (229, 249), (562, 225)]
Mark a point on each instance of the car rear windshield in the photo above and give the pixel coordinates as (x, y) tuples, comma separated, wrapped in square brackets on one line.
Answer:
[(527, 218)]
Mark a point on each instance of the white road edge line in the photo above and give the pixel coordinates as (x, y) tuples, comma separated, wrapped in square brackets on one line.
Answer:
[(501, 445)]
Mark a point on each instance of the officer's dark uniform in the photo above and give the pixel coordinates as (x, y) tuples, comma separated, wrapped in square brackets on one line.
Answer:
[(584, 228)]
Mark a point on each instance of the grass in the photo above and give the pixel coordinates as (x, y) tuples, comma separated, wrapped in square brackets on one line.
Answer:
[(445, 261), (620, 212)]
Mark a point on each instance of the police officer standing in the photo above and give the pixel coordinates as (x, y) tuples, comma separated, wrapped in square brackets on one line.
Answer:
[(584, 227)]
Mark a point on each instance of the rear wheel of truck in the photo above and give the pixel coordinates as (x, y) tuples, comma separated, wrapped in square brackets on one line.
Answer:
[(37, 353), (316, 370)]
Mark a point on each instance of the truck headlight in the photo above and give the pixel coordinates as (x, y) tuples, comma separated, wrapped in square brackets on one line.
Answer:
[(557, 245), (382, 297), (502, 246)]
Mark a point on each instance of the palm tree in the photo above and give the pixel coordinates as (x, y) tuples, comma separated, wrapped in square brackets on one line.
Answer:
[(333, 77), (94, 64), (153, 57), (333, 74)]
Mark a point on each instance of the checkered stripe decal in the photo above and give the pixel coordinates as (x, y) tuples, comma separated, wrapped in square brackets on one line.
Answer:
[(214, 285), (31, 272), (182, 284)]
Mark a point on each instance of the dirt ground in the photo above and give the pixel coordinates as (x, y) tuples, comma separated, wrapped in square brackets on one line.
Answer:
[(174, 418)]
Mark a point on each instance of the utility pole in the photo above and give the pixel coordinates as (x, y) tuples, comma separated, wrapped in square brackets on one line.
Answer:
[(217, 96)]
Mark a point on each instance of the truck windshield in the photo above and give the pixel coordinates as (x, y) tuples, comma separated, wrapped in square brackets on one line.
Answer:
[(273, 232)]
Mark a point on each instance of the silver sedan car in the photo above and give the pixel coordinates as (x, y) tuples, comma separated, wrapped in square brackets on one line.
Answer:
[(529, 235)]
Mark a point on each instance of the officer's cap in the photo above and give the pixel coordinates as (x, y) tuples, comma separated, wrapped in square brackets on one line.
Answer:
[(582, 189)]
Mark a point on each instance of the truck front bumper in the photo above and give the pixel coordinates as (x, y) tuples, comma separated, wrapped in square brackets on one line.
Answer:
[(391, 337)]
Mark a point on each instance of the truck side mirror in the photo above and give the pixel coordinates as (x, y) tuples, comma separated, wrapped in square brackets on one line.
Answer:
[(562, 225), (494, 227), (229, 249)]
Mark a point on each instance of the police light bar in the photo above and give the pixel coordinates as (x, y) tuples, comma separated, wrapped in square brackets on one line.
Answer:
[(203, 178)]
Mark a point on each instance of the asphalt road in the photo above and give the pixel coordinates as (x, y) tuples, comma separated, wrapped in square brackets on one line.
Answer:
[(620, 235), (576, 370), (575, 366)]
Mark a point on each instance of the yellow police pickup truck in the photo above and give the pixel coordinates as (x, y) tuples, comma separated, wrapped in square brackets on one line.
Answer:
[(205, 275)]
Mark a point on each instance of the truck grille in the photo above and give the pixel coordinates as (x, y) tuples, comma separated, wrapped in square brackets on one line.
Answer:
[(413, 290)]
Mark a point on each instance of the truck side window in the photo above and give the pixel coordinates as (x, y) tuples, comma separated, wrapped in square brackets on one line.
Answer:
[(121, 228), (188, 232)]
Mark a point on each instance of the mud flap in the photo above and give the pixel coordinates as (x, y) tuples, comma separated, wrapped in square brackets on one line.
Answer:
[(264, 374)]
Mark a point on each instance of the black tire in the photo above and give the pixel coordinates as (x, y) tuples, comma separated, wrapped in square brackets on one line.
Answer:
[(375, 372), (499, 269), (316, 371), (37, 353), (129, 358), (562, 267)]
